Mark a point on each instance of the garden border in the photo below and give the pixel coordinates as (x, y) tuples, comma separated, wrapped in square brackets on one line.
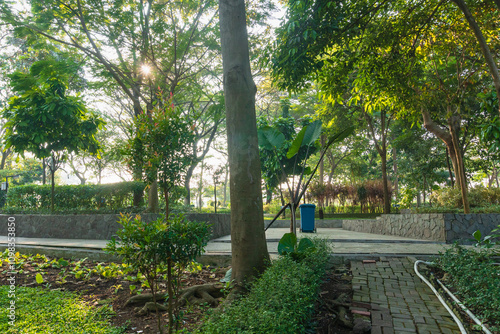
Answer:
[(443, 227)]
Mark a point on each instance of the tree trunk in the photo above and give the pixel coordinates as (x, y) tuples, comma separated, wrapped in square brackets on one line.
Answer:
[(382, 151), (450, 138), (153, 201), (454, 124), (5, 155), (225, 186), (395, 171), (488, 56), (200, 188), (269, 195), (44, 172), (248, 240), (215, 197), (187, 186), (452, 183), (322, 163), (385, 181)]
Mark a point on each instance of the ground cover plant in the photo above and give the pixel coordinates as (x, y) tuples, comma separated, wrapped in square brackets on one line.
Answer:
[(282, 300), (474, 276), (41, 310), (98, 290)]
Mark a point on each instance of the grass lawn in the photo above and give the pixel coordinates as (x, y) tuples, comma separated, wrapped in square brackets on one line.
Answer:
[(40, 310)]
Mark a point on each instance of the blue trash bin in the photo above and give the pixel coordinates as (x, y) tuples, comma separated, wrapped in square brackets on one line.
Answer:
[(307, 218)]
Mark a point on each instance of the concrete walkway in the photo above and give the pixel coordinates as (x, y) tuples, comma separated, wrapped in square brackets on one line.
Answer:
[(345, 244), (395, 298)]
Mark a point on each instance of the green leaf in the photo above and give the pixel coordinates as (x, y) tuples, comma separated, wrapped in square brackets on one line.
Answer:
[(304, 244), (270, 138), (477, 235), (62, 262), (312, 133), (341, 135), (39, 278), (296, 144), (287, 243)]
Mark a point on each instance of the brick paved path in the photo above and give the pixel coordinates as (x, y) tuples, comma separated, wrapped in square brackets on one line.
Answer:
[(396, 299)]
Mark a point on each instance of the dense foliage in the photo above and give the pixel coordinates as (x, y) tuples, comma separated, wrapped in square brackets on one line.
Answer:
[(281, 301), (342, 197), (36, 198), (475, 277), (479, 196)]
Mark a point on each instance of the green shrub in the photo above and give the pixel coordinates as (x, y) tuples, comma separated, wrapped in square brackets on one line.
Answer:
[(281, 301), (476, 281), (154, 247), (113, 196), (479, 196), (45, 311)]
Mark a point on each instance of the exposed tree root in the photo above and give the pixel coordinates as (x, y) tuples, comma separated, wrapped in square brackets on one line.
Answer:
[(194, 295), (150, 307)]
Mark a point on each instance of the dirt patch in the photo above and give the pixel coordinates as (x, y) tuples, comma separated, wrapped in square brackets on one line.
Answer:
[(98, 290), (335, 296)]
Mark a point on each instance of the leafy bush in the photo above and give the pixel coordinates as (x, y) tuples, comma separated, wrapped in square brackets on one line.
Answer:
[(155, 247), (479, 196), (114, 196), (281, 301), (45, 311), (476, 279)]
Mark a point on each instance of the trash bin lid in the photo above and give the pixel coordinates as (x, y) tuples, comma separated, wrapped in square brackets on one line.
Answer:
[(307, 206)]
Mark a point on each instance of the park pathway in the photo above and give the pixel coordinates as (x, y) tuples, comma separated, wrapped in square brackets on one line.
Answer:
[(397, 301)]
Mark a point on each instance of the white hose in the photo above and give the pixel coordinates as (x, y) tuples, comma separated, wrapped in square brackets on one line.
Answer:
[(457, 320), (466, 310)]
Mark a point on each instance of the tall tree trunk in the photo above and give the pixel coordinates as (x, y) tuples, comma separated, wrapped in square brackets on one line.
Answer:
[(382, 151), (200, 187), (5, 155), (454, 124), (153, 201), (450, 138), (452, 182), (395, 171), (488, 56), (215, 197), (385, 181), (248, 240), (187, 186), (137, 159), (44, 172), (225, 186)]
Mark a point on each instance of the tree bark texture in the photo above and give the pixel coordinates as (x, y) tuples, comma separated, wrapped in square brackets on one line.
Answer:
[(452, 146), (248, 240), (454, 124)]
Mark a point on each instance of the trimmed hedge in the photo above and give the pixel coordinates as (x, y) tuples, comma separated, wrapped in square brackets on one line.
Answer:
[(112, 196), (281, 301)]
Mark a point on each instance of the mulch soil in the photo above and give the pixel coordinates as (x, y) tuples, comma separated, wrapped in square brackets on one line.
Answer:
[(115, 292)]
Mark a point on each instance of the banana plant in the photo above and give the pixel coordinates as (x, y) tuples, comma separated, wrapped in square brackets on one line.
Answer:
[(272, 139)]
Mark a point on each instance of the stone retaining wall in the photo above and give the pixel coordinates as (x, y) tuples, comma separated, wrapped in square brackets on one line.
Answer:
[(95, 227), (444, 227)]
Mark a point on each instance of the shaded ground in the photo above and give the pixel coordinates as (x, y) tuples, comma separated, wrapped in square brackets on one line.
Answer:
[(334, 301), (115, 291)]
